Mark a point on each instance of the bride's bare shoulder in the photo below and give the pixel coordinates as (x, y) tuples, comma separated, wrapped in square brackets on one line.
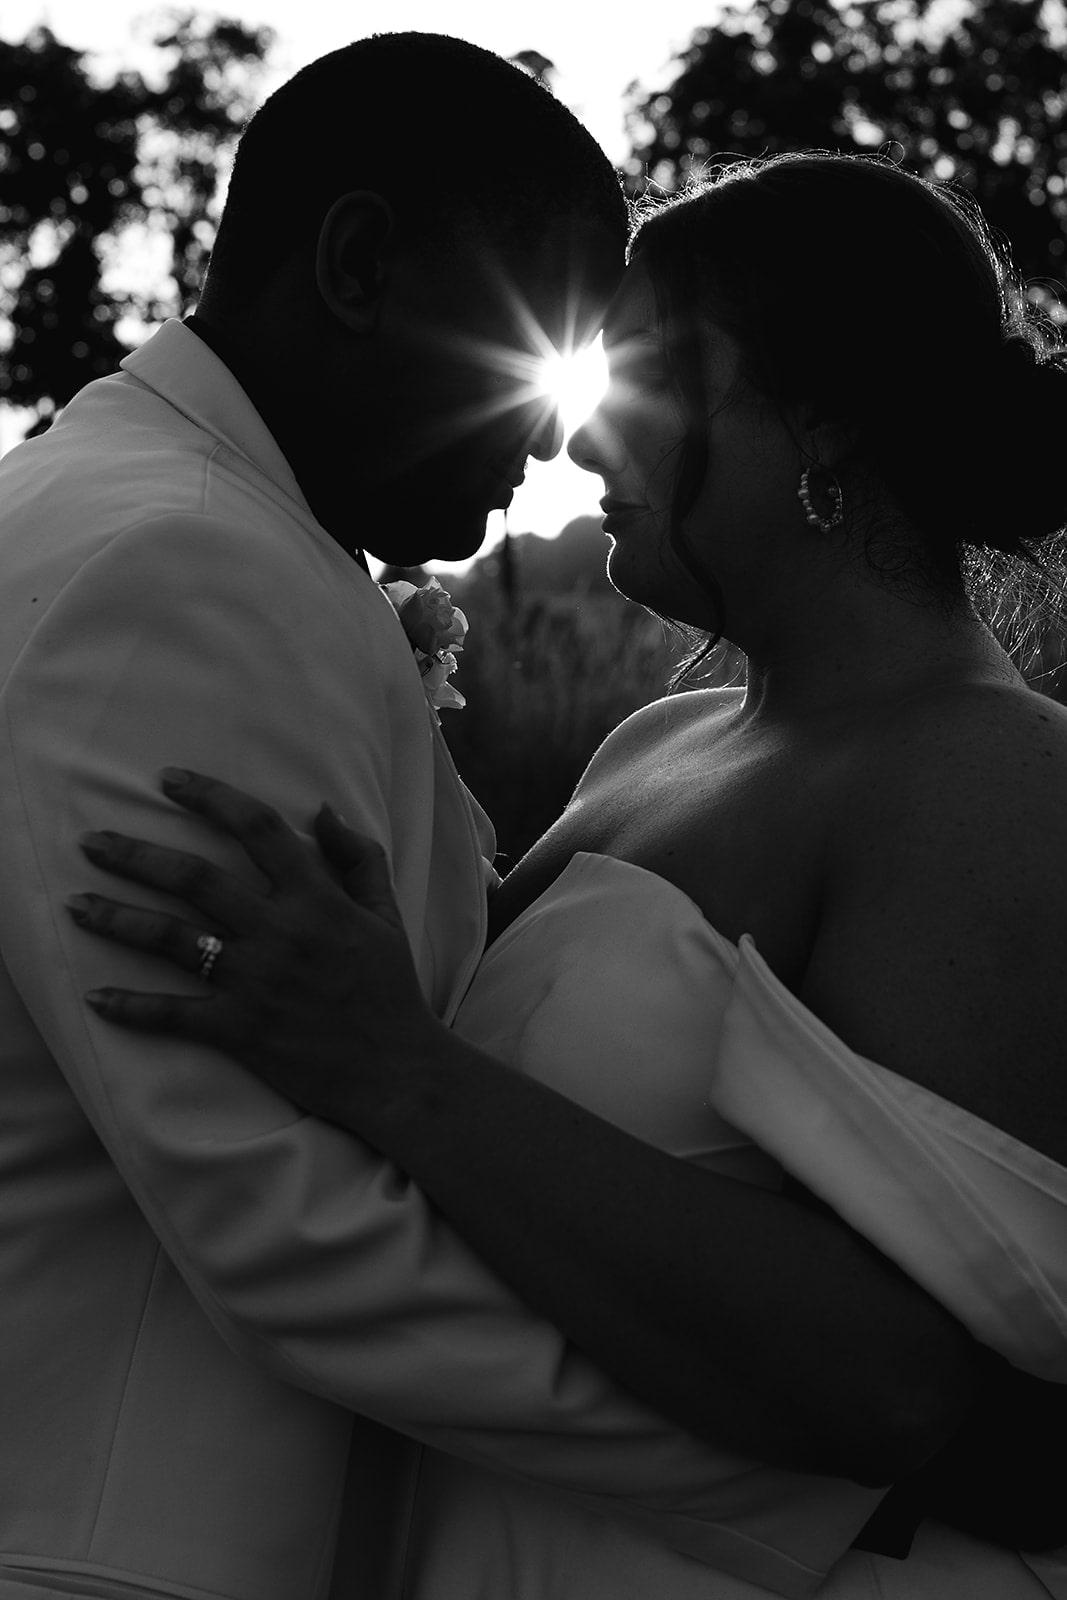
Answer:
[(975, 773), (992, 742), (656, 725)]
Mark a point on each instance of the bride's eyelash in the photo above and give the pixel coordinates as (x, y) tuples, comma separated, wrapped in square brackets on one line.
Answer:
[(644, 371)]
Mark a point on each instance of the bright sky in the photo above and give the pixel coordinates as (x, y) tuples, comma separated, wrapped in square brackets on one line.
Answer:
[(597, 51)]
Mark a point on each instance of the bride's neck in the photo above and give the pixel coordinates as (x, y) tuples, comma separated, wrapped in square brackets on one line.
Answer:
[(876, 648)]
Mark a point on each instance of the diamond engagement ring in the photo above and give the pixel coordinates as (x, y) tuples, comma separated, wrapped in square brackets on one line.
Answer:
[(210, 949)]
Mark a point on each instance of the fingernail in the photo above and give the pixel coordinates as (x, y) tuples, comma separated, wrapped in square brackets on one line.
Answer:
[(79, 906), (334, 813), (175, 777), (100, 999), (97, 844)]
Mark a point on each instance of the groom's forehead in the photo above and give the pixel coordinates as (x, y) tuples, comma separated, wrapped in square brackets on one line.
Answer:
[(568, 277)]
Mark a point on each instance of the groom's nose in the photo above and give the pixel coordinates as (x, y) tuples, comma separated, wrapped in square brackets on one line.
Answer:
[(546, 438)]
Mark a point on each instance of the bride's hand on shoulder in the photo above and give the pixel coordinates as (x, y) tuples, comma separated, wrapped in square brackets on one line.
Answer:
[(308, 980)]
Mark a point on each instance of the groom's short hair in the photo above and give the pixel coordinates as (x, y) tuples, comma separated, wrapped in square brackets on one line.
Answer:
[(448, 133)]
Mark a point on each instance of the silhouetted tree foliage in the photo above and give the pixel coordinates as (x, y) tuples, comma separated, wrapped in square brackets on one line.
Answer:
[(982, 104), (83, 166)]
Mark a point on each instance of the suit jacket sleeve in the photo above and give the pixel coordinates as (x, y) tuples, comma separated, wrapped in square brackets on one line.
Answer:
[(308, 1252)]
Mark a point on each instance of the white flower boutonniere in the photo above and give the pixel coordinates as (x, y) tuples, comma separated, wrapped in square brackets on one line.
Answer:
[(437, 630)]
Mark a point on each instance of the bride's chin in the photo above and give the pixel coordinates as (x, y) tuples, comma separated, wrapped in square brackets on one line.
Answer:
[(675, 601)]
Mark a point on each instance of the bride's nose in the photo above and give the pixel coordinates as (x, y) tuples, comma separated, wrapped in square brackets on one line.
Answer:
[(594, 446)]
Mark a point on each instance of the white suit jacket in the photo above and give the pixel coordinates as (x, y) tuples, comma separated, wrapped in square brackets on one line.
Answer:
[(198, 1285)]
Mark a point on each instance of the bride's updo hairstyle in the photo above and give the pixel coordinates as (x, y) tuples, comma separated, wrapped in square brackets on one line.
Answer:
[(884, 302)]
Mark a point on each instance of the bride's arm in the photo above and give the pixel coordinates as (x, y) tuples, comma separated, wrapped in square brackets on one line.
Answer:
[(767, 1327)]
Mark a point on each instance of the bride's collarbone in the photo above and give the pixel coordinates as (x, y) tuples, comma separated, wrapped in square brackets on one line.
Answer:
[(740, 842), (695, 789)]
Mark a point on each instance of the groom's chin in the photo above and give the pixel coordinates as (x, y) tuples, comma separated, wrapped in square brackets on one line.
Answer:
[(443, 535)]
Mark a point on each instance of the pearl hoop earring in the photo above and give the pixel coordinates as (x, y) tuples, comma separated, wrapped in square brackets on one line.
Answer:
[(836, 514)]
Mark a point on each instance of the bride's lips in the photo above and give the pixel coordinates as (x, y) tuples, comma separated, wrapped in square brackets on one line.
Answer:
[(617, 512)]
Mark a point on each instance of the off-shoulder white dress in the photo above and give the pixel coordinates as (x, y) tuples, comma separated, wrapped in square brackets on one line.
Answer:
[(613, 988)]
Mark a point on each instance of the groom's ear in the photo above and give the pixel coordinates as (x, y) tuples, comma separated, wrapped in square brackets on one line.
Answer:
[(352, 259)]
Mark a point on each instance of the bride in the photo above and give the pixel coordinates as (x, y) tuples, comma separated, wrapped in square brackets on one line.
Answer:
[(805, 935)]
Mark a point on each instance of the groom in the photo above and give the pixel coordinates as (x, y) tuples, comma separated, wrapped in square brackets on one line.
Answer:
[(188, 1372)]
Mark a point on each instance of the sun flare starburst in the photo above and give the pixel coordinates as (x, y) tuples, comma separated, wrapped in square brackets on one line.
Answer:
[(575, 383)]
